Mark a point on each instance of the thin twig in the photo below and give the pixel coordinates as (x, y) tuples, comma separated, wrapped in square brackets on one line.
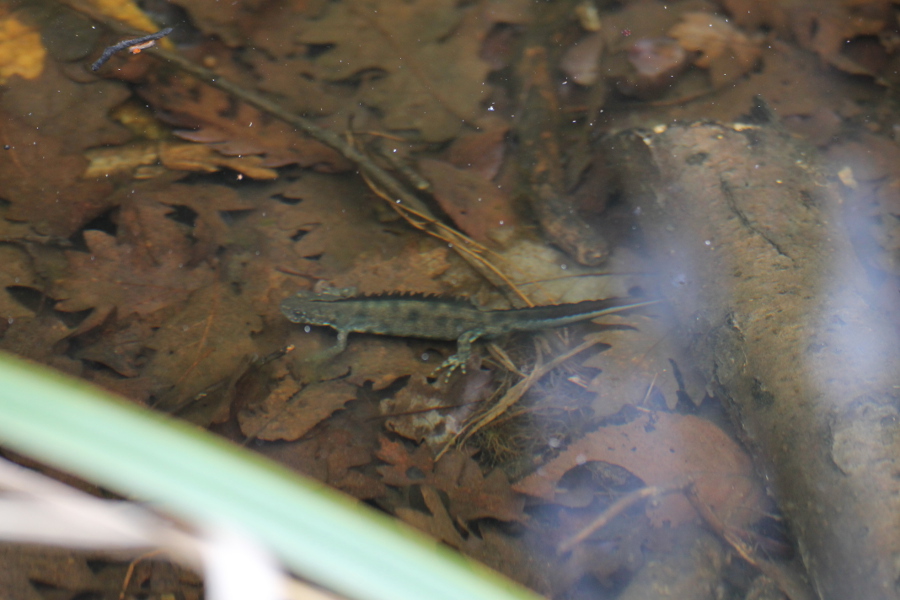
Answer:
[(129, 573), (384, 179), (612, 511), (467, 248), (381, 181)]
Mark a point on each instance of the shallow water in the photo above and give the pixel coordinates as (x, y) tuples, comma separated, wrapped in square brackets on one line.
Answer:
[(734, 160)]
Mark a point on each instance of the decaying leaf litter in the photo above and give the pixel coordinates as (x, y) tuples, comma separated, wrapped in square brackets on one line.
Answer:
[(156, 267)]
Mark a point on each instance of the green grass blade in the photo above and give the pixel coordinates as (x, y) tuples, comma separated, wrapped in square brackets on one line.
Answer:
[(320, 534)]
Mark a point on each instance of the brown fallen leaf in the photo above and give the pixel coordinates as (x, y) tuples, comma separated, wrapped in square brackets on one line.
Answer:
[(415, 268), (120, 346), (122, 277), (289, 412), (419, 60), (471, 495), (344, 447), (203, 206), (823, 27), (21, 50), (202, 346), (724, 50), (666, 450), (17, 272), (639, 355), (502, 552), (138, 160), (148, 229), (43, 183), (28, 569), (203, 158), (480, 152), (59, 107), (315, 223), (210, 116), (40, 338), (333, 454), (480, 208), (48, 123)]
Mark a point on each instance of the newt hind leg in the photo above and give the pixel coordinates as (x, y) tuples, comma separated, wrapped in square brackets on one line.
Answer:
[(461, 358)]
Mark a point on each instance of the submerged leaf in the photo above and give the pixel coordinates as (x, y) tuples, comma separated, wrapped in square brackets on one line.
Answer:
[(120, 276), (471, 494), (21, 50), (667, 450)]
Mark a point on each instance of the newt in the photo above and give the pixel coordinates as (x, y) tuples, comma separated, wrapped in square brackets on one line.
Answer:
[(436, 318)]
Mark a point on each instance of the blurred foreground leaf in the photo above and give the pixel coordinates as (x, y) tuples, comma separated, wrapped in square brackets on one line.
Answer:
[(320, 534)]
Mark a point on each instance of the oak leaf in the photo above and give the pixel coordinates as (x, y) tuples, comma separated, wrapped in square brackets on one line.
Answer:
[(151, 218), (289, 412), (113, 276), (414, 268), (823, 27), (39, 338), (418, 61), (120, 346), (482, 152), (498, 550), (48, 122), (480, 208), (471, 495), (201, 347), (202, 158), (638, 358), (211, 117)]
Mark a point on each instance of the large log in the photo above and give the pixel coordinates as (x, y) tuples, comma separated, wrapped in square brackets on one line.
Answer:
[(775, 307)]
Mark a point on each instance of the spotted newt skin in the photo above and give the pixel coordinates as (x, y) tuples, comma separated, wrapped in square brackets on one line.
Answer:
[(436, 318)]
